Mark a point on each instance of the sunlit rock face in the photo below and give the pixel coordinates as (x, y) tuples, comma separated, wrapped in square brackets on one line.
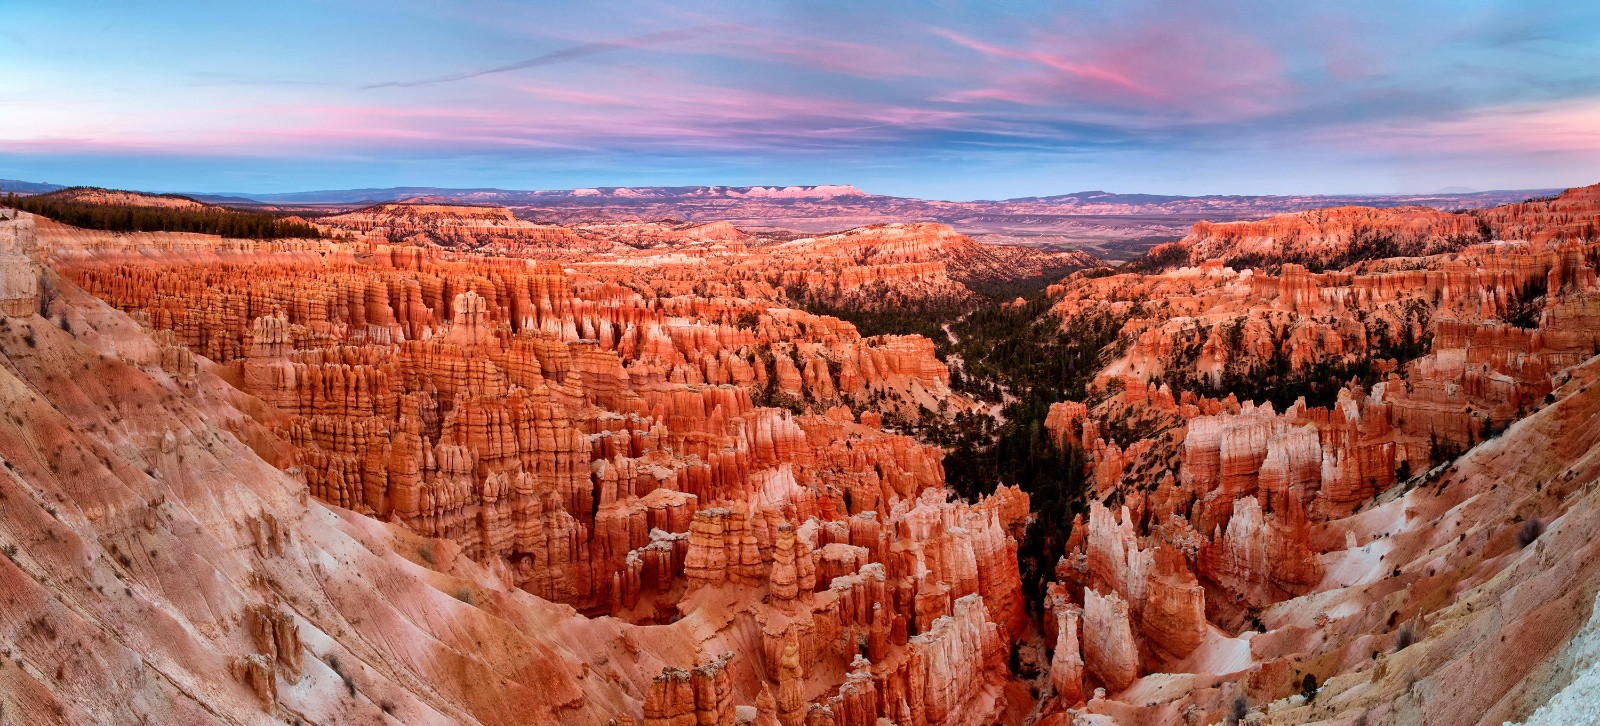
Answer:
[(1323, 238), (1335, 237), (593, 435), (454, 225), (1247, 543), (19, 267), (887, 265), (452, 466)]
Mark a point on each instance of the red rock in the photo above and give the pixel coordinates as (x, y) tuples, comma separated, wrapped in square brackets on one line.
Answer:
[(1329, 236), (1066, 666), (1109, 650)]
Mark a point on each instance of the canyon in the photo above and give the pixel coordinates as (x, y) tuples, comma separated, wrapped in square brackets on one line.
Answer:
[(448, 462)]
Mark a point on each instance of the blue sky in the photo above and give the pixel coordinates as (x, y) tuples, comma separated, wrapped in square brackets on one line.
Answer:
[(935, 99)]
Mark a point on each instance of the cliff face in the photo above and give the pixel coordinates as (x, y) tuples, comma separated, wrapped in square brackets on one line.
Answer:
[(1327, 238), (1335, 237), (719, 235), (1262, 541), (884, 253), (19, 267), (1483, 564), (157, 568), (453, 225), (592, 438)]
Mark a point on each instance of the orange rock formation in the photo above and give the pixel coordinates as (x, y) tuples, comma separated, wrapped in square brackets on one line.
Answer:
[(592, 438), (367, 480)]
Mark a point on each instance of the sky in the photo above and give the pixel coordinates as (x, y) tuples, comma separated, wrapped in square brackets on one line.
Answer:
[(936, 99)]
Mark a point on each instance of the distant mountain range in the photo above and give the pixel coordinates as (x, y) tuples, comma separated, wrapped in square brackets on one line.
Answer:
[(514, 197), (1111, 225), (23, 187), (845, 195)]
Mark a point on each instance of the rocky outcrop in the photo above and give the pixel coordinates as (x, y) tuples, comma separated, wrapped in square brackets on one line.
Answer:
[(19, 266), (159, 570), (120, 198), (1066, 662), (592, 439), (451, 225), (1109, 650), (703, 695), (1327, 238), (869, 267), (1338, 236)]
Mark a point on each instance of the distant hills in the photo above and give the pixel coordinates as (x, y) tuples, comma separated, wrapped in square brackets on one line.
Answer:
[(1110, 225), (22, 187), (1094, 201), (513, 197)]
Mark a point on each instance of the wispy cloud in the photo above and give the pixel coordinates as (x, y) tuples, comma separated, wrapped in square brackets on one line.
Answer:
[(1084, 71), (933, 93), (563, 55)]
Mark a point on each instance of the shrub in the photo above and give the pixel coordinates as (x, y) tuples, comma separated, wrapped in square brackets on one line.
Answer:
[(1528, 532), (63, 323), (1239, 709), (1308, 687), (427, 554), (338, 669), (47, 296), (464, 595), (1405, 638)]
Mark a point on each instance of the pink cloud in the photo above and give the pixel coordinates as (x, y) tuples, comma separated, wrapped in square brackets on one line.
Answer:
[(1086, 71), (1180, 68), (1134, 77), (1563, 126), (675, 113)]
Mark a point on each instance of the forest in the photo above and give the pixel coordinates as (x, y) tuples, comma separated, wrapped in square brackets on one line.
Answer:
[(220, 221), (1019, 355)]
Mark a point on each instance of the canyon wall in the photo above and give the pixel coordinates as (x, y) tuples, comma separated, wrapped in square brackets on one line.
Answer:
[(491, 474), (1275, 464), (591, 436)]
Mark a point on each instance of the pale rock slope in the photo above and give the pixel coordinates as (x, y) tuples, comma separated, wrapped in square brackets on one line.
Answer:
[(157, 569)]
